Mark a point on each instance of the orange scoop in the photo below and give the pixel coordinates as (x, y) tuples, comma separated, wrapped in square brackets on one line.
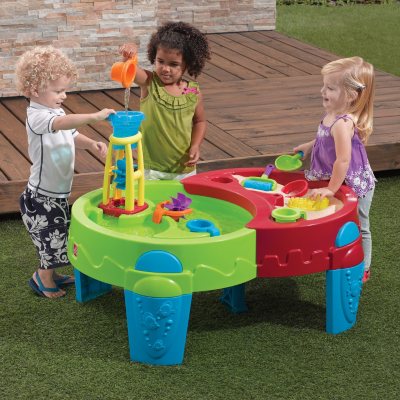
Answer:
[(124, 72), (160, 211)]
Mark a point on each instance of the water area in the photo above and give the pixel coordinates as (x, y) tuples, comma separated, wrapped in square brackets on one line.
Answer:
[(126, 98)]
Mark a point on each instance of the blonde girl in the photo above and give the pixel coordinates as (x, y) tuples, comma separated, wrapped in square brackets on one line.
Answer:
[(338, 154)]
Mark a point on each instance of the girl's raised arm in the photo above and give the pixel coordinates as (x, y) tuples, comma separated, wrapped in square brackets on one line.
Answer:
[(129, 50)]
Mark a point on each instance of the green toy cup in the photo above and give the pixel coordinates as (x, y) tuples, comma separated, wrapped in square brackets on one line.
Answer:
[(286, 215)]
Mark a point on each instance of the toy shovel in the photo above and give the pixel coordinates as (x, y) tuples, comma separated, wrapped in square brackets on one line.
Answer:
[(287, 162)]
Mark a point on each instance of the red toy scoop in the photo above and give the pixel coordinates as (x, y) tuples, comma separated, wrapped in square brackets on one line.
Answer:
[(296, 188)]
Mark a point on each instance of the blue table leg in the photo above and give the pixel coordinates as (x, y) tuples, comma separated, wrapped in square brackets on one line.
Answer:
[(157, 327), (343, 287), (343, 291), (88, 288), (234, 297)]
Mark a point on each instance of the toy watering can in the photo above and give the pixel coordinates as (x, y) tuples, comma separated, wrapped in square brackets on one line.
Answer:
[(124, 72)]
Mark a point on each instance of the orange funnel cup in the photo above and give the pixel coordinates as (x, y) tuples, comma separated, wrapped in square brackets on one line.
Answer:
[(124, 72)]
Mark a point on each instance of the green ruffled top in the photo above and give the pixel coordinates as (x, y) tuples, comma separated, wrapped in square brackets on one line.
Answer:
[(167, 128)]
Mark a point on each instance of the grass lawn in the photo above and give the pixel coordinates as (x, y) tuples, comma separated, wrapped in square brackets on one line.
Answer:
[(370, 31)]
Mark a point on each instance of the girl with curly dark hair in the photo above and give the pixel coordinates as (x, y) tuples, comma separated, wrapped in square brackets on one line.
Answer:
[(175, 123)]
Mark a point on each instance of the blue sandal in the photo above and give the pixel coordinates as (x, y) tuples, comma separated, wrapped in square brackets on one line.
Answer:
[(39, 288), (62, 281)]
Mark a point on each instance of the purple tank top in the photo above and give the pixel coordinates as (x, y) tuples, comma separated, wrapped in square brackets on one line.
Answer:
[(359, 176)]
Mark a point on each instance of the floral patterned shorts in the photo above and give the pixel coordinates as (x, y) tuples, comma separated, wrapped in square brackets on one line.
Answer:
[(47, 220)]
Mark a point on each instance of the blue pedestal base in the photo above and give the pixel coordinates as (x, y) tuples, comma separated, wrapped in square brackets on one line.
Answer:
[(343, 286), (343, 291), (157, 327)]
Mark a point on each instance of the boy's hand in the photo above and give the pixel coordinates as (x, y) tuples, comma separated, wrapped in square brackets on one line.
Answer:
[(104, 113), (100, 147), (128, 50), (194, 155)]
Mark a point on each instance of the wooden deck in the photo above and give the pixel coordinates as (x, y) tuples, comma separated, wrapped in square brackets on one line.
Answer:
[(262, 97)]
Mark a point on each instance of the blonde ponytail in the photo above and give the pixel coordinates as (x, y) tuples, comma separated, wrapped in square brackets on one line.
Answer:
[(359, 83)]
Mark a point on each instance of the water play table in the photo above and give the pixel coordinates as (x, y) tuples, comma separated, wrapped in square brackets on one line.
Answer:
[(159, 266)]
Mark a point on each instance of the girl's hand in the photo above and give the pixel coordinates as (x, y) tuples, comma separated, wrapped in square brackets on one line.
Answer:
[(321, 193), (128, 50), (305, 148), (104, 113), (100, 147), (194, 155)]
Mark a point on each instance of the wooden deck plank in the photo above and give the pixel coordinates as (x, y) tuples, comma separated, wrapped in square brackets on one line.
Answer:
[(210, 151), (262, 97), (12, 163), (261, 134), (234, 68), (276, 59), (14, 131), (262, 44), (277, 142), (219, 73), (270, 113), (10, 193), (232, 146), (3, 177), (255, 68), (205, 79), (17, 106), (297, 44)]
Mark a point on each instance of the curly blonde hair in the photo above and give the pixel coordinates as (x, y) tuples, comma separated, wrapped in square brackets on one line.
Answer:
[(37, 67), (358, 77)]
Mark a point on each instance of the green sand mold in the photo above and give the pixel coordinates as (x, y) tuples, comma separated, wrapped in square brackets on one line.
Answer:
[(287, 162), (107, 248)]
